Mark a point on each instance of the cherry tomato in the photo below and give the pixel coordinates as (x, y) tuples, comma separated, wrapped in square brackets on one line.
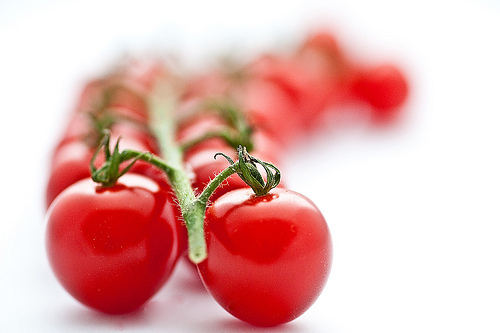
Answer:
[(113, 248), (384, 87), (306, 81), (268, 257)]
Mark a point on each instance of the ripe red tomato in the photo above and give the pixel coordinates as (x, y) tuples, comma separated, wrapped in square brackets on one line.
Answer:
[(307, 80), (384, 87), (268, 257), (113, 248)]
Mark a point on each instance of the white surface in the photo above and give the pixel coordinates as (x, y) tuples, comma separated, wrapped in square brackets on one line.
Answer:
[(414, 212)]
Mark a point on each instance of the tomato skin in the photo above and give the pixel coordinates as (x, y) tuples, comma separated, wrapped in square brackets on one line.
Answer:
[(198, 126), (113, 248), (270, 108), (213, 83), (311, 83), (268, 258), (384, 87)]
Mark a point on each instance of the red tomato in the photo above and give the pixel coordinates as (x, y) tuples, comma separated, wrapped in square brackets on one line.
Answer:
[(268, 257), (113, 248), (384, 87), (307, 82)]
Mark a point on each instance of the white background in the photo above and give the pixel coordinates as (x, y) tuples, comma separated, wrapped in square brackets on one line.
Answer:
[(414, 210)]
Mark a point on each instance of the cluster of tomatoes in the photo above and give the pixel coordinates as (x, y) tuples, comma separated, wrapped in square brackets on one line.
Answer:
[(113, 244)]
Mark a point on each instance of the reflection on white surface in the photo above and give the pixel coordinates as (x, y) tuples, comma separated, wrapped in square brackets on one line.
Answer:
[(413, 211)]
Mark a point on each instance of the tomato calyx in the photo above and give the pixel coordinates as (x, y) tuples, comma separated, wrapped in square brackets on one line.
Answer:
[(247, 168), (109, 172)]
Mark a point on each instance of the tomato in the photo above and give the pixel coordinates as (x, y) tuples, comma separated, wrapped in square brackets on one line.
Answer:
[(384, 87), (306, 80), (113, 248), (268, 257)]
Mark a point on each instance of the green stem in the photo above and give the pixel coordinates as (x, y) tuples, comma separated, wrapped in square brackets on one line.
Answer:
[(216, 182), (162, 105)]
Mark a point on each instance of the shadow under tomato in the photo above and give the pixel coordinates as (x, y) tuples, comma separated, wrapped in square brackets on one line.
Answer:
[(238, 326), (86, 318)]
